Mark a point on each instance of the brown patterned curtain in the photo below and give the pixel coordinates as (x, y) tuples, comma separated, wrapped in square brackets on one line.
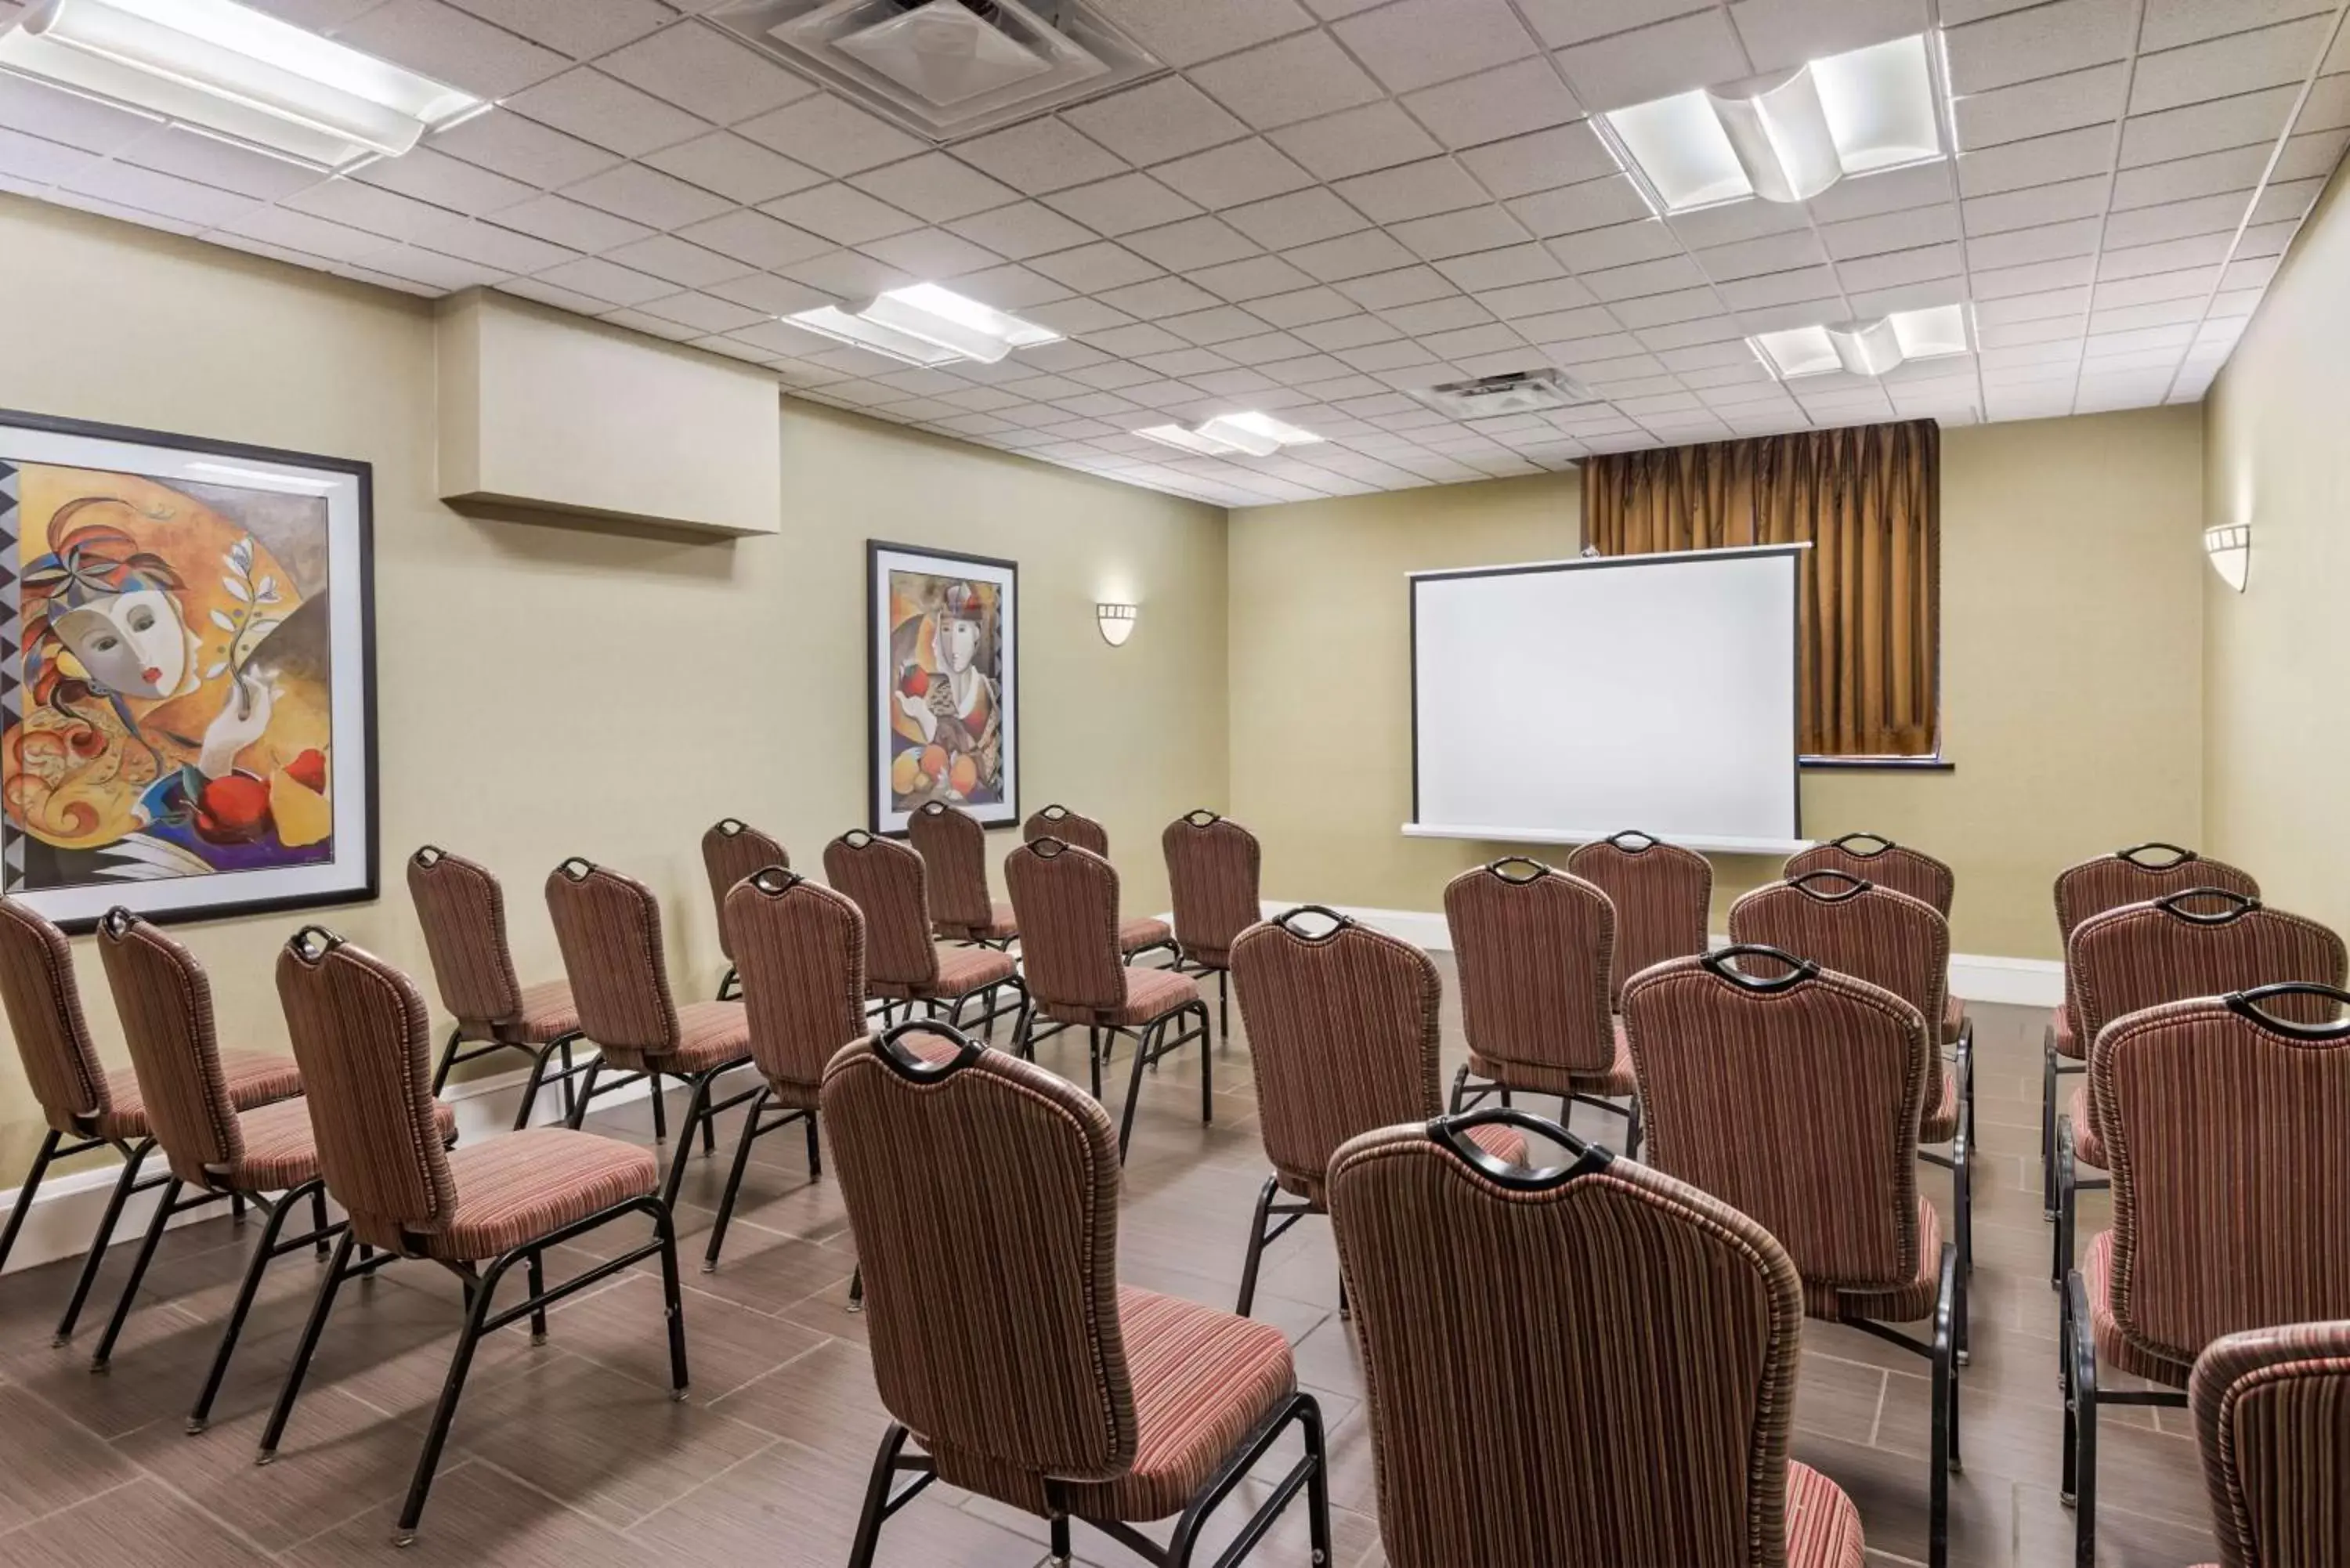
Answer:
[(1868, 502)]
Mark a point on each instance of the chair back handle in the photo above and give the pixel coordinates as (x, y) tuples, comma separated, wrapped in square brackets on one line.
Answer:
[(2235, 905), (1535, 870), (889, 1046), (1849, 843), (1201, 817), (1054, 813), (117, 922), (311, 944), (1829, 884), (731, 827), (1290, 919), (1048, 847), (1632, 841), (1799, 969), (578, 868), (932, 808), (858, 838), (429, 856), (1452, 1133), (2138, 855), (2247, 1005), (775, 881)]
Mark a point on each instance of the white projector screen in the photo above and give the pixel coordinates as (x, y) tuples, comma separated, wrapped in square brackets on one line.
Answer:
[(1561, 702)]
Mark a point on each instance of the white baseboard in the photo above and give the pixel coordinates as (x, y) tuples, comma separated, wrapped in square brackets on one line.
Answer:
[(2019, 982), (66, 1209)]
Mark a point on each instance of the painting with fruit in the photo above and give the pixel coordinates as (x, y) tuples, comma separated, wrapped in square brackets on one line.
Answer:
[(175, 718), (943, 657)]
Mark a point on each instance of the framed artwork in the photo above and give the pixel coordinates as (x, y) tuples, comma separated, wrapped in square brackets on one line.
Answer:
[(942, 667), (187, 675)]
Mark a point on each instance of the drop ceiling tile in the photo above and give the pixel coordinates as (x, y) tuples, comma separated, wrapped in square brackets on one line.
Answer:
[(1672, 56), (2193, 283), (1199, 30), (1735, 223), (1416, 43), (1402, 354), (738, 170), (1300, 78), (1040, 156), (2285, 200), (1302, 308), (2312, 155), (1881, 302), (1781, 287), (2018, 46), (1298, 219), (756, 238), (706, 312), (1214, 326), (145, 191), (517, 148), (2041, 204), (366, 207), (1195, 242), (1618, 244), (1891, 190), (2042, 161), (647, 196), (436, 272), (1509, 102), (1659, 276), (1501, 269), (1376, 136), (1461, 234), (1122, 204), (1773, 252), (2136, 261), (2032, 278), (1780, 35), (841, 214), (1022, 230), (1890, 269), (208, 161), (2177, 220), (1161, 119), (61, 117), (847, 275), (1257, 277), (1350, 255), (1405, 285), (702, 70), (1186, 362), (1073, 316), (1348, 332), (1266, 350), (582, 32), (600, 279), (449, 46), (567, 223), (2328, 105), (1537, 299), (1572, 209), (2238, 121), (667, 256), (1491, 337), (1659, 309), (831, 134), (2042, 107), (1565, 155), (932, 254), (1009, 287), (1231, 175), (2211, 175), (604, 111), (766, 293), (2237, 63), (485, 245), (2049, 242), (1091, 269), (2161, 313)]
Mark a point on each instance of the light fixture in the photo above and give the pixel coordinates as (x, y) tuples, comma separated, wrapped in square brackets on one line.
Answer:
[(1787, 137), (1116, 623), (2230, 545), (1253, 434), (228, 70), (1865, 349), (926, 325)]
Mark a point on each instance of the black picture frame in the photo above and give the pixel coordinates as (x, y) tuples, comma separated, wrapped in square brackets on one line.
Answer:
[(882, 557)]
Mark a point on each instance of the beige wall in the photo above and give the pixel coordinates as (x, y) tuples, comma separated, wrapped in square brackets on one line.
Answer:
[(2276, 656), (2071, 606), (550, 690)]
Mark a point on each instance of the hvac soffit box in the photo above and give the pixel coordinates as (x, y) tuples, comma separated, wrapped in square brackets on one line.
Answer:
[(946, 69)]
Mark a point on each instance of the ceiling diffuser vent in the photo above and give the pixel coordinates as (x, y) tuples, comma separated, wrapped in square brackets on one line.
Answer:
[(1519, 392), (946, 69)]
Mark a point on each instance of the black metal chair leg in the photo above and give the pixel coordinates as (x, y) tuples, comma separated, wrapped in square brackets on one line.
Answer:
[(710, 1134), (124, 1185), (164, 1208), (317, 1216), (2048, 1127), (264, 1252), (237, 1208), (876, 1498), (530, 1086), (2083, 1408), (437, 1436), (1461, 1087), (1257, 1245), (661, 1108), (1633, 1130), (537, 1266), (1225, 1002), (24, 1203), (1133, 1088), (447, 1060), (815, 1150), (1207, 1071), (697, 1109), (1062, 1548), (1944, 1401), (320, 1306), (1094, 1057), (578, 1112), (735, 1181), (673, 1303), (569, 1094)]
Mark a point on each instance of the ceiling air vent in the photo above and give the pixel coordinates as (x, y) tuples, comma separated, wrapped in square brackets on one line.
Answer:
[(1519, 392), (946, 69)]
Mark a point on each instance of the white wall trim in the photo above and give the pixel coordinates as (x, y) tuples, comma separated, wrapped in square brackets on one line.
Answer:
[(1977, 977)]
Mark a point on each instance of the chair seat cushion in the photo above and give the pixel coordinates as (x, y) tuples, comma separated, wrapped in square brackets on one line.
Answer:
[(547, 1014), (254, 1078), (1202, 1380), (525, 1185), (281, 1153), (710, 1035), (1002, 926), (1142, 932), (1940, 1122), (1537, 1077), (963, 971), (2114, 1347), (1823, 1525), (1903, 1303), (2061, 1036), (1151, 993), (1954, 1018), (2087, 1147)]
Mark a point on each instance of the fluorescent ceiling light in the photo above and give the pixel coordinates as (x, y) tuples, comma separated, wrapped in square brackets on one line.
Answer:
[(831, 321), (228, 70), (1865, 348), (926, 325), (1253, 434), (1787, 137)]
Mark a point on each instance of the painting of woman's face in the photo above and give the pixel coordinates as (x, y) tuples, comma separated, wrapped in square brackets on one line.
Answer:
[(133, 643), (959, 644)]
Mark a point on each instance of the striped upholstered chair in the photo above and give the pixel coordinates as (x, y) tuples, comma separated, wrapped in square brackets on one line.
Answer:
[(2132, 875), (953, 847), (1535, 947), (1139, 935), (1212, 866), (903, 964), (215, 1151), (1067, 904), (359, 1030), (89, 1106), (1888, 938), (1791, 1093), (2223, 1119), (1663, 895), (2200, 942), (1343, 1030), (982, 1192), (609, 928), (462, 911), (2272, 1414), (1875, 859), (1642, 1417), (801, 949), (731, 850)]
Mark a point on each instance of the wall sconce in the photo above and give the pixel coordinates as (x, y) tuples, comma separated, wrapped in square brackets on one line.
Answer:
[(1116, 623), (2231, 550)]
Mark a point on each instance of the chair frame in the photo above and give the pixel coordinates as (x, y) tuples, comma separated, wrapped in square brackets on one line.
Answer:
[(479, 1283), (729, 984), (893, 1011), (1185, 963), (938, 808)]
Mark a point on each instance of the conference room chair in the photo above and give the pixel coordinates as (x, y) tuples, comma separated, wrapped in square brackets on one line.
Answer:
[(2132, 875), (89, 1106), (2223, 1117), (1663, 895), (903, 964), (463, 909), (1791, 1093), (1136, 936), (731, 850), (1067, 904), (983, 1193), (2273, 1418), (608, 928), (1212, 869), (1641, 1417), (215, 1151), (2200, 942), (954, 848), (1343, 1031), (1857, 927), (1534, 947), (360, 1034), (801, 947)]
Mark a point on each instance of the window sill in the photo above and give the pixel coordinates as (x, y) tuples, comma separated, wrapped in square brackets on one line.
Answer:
[(1877, 764)]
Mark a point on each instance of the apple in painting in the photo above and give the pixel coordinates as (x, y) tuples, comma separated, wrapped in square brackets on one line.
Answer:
[(915, 682), (233, 809)]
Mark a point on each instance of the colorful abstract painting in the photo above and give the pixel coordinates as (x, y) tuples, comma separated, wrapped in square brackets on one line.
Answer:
[(943, 642), (185, 702)]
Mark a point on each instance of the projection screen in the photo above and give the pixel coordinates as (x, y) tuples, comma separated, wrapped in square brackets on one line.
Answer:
[(1561, 702)]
